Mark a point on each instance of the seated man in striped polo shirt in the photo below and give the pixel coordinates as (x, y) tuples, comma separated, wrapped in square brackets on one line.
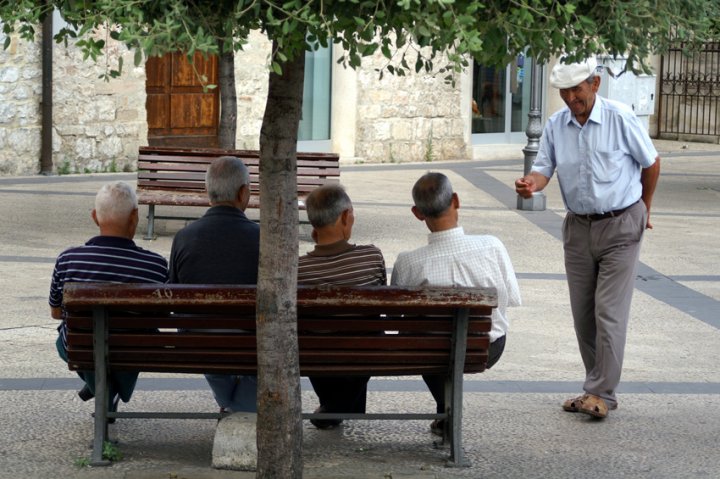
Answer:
[(110, 257), (335, 261)]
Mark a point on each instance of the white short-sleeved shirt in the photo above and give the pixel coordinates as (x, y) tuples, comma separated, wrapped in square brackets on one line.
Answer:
[(452, 258), (598, 164)]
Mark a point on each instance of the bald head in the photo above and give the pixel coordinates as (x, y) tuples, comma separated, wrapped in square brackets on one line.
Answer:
[(224, 178), (115, 202), (116, 210), (432, 194), (325, 205)]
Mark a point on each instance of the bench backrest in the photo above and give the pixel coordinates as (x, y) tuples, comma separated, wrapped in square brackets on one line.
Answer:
[(184, 169), (361, 330)]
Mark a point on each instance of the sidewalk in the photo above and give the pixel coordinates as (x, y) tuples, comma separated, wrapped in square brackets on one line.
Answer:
[(667, 425)]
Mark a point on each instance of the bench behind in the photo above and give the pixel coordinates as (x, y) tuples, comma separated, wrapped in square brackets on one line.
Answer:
[(176, 176), (341, 331)]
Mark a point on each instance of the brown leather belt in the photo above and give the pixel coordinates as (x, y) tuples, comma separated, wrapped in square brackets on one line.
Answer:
[(609, 214)]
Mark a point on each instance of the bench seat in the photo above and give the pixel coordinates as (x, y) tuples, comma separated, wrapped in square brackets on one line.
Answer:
[(200, 329), (176, 177)]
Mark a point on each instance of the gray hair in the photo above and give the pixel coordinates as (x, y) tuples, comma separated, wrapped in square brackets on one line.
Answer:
[(224, 178), (432, 194), (325, 205), (115, 202)]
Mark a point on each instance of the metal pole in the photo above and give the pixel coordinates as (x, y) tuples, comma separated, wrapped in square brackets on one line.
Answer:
[(533, 132), (46, 161)]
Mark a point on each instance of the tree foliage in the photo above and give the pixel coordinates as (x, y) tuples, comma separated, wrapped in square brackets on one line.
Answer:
[(423, 35)]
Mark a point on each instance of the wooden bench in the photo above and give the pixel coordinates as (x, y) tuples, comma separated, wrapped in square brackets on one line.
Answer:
[(341, 331), (176, 177)]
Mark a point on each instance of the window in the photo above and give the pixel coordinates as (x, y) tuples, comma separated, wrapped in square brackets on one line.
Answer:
[(315, 122), (501, 101)]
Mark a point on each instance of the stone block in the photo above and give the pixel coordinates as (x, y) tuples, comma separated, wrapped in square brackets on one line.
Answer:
[(235, 444), (9, 74)]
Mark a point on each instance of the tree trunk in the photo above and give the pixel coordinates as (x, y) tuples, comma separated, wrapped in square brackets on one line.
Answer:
[(279, 422), (228, 99)]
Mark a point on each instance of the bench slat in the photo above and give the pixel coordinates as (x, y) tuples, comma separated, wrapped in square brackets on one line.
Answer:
[(169, 169), (312, 299), (369, 323), (143, 356), (329, 342), (376, 370)]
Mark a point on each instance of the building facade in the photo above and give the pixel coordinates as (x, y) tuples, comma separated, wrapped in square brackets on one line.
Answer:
[(97, 126)]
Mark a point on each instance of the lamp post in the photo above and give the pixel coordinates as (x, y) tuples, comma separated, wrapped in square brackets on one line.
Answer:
[(533, 132)]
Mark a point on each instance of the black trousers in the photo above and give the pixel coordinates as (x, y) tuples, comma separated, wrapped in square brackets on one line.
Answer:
[(341, 394), (436, 383)]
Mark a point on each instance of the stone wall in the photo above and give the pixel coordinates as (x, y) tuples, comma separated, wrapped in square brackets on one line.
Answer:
[(251, 85), (97, 125), (20, 89), (416, 117), (399, 119)]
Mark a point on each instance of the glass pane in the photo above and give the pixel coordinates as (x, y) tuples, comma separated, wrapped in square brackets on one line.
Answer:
[(520, 92), (315, 122), (488, 99)]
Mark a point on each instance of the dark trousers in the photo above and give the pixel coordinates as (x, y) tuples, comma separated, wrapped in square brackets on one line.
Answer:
[(122, 383), (436, 383), (341, 394)]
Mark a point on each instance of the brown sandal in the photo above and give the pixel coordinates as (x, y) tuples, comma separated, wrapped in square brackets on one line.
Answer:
[(594, 406), (573, 404)]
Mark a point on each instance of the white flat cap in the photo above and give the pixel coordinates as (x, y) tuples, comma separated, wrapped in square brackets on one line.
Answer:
[(572, 74)]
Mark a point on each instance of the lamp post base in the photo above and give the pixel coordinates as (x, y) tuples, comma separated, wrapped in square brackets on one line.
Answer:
[(535, 203)]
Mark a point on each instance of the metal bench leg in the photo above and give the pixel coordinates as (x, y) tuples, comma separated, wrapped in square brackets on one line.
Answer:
[(101, 386), (454, 420), (150, 235)]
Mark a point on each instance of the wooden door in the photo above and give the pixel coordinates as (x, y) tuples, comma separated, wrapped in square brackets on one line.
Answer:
[(179, 113)]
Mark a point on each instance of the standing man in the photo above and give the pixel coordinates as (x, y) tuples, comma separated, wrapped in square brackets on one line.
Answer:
[(222, 247), (111, 257), (452, 258), (607, 168), (336, 262)]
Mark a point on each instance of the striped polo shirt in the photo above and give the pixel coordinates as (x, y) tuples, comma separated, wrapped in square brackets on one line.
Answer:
[(108, 259), (342, 264)]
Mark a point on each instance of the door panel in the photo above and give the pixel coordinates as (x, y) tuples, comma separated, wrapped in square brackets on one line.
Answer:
[(179, 112)]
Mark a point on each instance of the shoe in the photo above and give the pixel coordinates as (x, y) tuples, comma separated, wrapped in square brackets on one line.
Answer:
[(573, 404), (594, 406), (437, 427), (324, 423), (85, 394), (576, 405)]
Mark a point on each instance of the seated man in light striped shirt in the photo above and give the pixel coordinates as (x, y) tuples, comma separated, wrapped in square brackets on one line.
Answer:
[(452, 258), (335, 261), (110, 257)]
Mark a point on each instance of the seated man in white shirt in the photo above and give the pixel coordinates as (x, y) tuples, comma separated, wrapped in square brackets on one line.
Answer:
[(452, 258)]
